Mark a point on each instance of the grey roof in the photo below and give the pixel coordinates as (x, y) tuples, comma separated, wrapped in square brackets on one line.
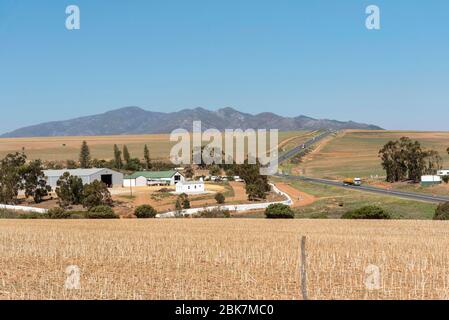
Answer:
[(191, 182), (73, 172)]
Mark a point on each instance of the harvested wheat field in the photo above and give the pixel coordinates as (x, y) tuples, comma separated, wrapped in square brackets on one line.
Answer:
[(223, 259)]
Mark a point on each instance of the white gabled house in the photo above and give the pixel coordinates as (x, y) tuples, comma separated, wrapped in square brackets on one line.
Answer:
[(190, 187), (152, 178)]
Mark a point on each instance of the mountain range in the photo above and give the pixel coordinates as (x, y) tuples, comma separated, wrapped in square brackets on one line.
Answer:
[(135, 120)]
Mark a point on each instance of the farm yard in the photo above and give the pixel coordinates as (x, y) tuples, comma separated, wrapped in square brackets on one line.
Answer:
[(223, 259)]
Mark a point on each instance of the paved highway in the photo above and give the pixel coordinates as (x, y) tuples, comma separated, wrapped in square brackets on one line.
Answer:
[(366, 188)]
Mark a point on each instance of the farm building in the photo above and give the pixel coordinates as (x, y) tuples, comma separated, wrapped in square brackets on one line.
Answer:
[(190, 187), (430, 180), (148, 178), (110, 177), (443, 173)]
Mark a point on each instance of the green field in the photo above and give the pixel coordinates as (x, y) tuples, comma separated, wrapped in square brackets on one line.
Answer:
[(332, 202)]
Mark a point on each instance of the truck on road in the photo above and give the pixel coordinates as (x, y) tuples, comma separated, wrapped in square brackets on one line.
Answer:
[(352, 182)]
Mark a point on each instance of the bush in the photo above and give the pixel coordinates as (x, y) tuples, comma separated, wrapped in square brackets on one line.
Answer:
[(8, 214), (58, 213), (445, 179), (442, 212), (220, 198), (96, 194), (367, 212), (213, 213), (145, 211), (279, 211), (101, 212)]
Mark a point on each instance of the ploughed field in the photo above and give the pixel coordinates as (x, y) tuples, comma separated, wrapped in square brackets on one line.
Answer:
[(223, 259)]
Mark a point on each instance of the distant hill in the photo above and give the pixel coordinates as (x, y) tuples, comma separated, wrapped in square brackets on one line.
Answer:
[(134, 120)]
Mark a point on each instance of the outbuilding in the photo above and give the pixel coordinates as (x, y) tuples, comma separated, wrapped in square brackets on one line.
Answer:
[(148, 178), (190, 187), (109, 177), (442, 173), (430, 180)]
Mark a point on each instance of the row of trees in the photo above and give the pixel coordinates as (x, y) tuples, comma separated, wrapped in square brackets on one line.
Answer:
[(122, 159), (16, 174), (406, 159)]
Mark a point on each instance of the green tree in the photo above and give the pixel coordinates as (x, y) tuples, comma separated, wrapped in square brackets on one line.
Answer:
[(12, 168), (69, 190), (34, 181), (367, 212), (126, 155), (188, 172), (96, 194), (220, 198), (279, 211), (442, 212), (214, 170), (84, 158), (146, 156), (118, 164), (145, 211), (183, 201), (71, 164)]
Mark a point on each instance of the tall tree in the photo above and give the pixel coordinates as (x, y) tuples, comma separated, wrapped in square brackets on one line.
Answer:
[(12, 168), (146, 156), (34, 181), (84, 156), (69, 190), (117, 157), (126, 155)]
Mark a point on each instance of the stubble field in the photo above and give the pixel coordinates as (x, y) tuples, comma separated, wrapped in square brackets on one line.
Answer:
[(101, 147), (224, 259), (355, 152)]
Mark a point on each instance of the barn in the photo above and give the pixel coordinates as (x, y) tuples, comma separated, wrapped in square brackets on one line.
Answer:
[(110, 177), (148, 178)]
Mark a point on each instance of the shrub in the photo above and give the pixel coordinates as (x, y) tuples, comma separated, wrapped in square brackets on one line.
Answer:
[(213, 213), (8, 214), (32, 215), (445, 179), (145, 211), (220, 198), (279, 211), (442, 212), (367, 212), (101, 212), (58, 213)]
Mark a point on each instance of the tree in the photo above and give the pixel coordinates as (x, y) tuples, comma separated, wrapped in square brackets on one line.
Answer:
[(214, 170), (133, 164), (406, 159), (34, 181), (188, 172), (220, 198), (146, 156), (96, 194), (256, 184), (118, 164), (71, 164), (84, 156), (69, 190), (12, 168), (279, 211), (126, 155), (145, 211), (101, 212), (442, 212), (183, 201)]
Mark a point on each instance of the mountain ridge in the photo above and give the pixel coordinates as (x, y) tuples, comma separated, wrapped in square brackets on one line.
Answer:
[(135, 120)]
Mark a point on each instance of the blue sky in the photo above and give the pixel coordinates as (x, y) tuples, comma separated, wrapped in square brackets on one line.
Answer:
[(289, 57)]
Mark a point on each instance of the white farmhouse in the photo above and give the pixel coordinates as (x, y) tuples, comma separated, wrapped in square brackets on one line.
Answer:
[(190, 187), (443, 173)]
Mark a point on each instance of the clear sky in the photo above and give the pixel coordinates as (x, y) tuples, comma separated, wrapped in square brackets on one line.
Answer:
[(289, 57)]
